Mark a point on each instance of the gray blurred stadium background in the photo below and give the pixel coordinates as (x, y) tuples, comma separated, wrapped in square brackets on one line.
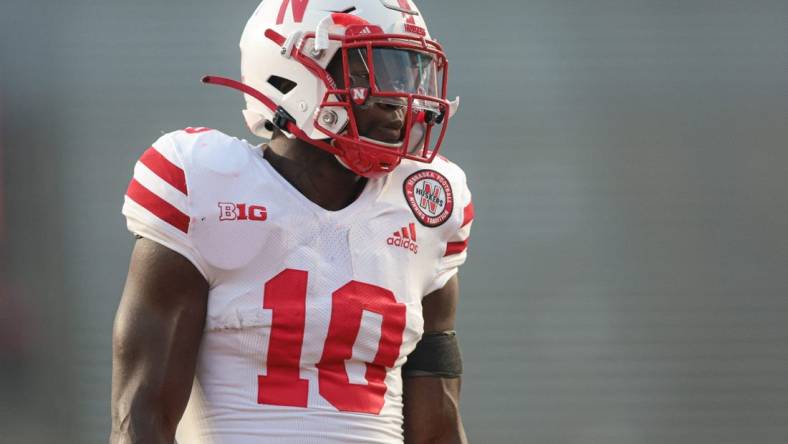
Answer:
[(628, 276)]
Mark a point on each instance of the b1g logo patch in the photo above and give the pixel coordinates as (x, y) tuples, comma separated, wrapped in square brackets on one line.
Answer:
[(430, 197)]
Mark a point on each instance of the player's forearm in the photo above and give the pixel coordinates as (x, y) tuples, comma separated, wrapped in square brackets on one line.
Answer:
[(450, 432), (445, 430), (432, 411), (147, 401), (138, 413), (141, 424), (141, 435)]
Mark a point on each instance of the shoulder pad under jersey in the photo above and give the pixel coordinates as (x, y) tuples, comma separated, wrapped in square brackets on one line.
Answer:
[(174, 197)]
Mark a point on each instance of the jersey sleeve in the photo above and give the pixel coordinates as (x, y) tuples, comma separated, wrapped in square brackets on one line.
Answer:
[(157, 204), (456, 245)]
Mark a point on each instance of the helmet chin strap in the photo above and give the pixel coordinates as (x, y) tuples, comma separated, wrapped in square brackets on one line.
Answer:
[(342, 162)]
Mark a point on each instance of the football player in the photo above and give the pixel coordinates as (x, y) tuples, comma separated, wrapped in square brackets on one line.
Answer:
[(303, 291)]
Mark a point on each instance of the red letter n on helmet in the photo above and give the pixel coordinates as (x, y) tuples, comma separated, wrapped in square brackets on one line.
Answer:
[(298, 7)]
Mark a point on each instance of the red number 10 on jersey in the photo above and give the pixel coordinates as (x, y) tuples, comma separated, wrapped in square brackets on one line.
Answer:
[(285, 296)]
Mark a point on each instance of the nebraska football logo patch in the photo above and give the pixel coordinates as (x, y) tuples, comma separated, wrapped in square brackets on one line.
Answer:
[(430, 197)]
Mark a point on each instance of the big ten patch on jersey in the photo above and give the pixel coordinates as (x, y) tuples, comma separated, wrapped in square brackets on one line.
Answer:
[(230, 210)]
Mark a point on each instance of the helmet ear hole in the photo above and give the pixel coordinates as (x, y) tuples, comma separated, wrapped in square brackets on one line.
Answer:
[(282, 84)]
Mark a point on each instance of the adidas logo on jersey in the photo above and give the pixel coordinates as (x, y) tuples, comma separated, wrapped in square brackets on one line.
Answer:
[(405, 238)]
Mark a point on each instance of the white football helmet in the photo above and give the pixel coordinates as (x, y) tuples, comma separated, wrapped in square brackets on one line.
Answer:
[(285, 50)]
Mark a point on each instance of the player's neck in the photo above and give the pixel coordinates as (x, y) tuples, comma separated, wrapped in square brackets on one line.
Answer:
[(317, 174)]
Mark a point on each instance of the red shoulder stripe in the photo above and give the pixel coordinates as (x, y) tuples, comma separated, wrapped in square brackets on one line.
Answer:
[(456, 247), (197, 130), (467, 215), (166, 170), (158, 206)]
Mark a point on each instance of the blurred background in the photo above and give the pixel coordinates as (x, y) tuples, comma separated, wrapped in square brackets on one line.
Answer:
[(628, 275)]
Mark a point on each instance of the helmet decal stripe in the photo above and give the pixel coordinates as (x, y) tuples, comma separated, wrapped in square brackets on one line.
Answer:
[(405, 4), (347, 19)]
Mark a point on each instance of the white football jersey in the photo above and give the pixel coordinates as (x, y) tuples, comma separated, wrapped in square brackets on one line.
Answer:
[(311, 313)]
